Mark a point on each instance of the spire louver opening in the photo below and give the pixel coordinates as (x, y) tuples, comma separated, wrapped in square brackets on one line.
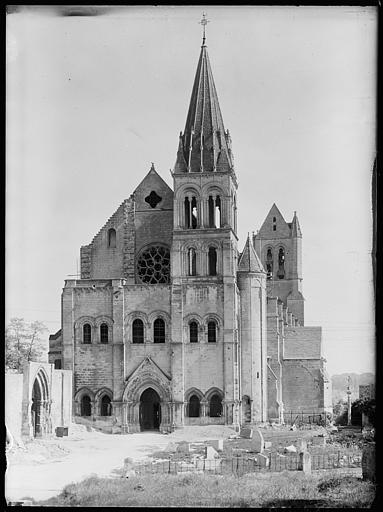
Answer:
[(204, 146)]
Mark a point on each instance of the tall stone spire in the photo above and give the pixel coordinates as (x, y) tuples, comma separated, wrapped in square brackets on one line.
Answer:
[(204, 145)]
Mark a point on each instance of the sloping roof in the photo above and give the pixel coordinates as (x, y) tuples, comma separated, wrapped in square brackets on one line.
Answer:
[(249, 261), (204, 146), (282, 228)]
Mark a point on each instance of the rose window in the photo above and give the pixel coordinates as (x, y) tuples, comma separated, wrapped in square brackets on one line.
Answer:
[(153, 265)]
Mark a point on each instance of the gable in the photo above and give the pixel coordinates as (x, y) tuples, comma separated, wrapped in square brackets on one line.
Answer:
[(153, 194), (274, 219), (149, 367)]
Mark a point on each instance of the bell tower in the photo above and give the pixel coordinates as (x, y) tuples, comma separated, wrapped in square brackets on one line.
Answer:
[(204, 250), (279, 246)]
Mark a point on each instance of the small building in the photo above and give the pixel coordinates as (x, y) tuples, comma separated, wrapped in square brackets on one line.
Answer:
[(38, 400)]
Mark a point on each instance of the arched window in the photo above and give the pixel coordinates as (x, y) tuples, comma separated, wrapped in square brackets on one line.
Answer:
[(193, 332), (281, 264), (269, 263), (194, 407), (191, 213), (212, 261), (112, 238), (104, 333), (192, 258), (86, 406), (211, 332), (87, 333), (215, 212), (159, 331), (215, 409), (106, 406), (57, 364), (138, 331)]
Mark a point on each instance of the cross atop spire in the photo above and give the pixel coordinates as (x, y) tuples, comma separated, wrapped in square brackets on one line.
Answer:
[(204, 22)]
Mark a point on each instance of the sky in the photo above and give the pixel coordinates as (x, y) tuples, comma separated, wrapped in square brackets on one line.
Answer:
[(91, 101)]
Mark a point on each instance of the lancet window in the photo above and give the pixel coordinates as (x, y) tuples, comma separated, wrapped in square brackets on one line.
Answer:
[(212, 260), (269, 263), (191, 212), (215, 212), (281, 263)]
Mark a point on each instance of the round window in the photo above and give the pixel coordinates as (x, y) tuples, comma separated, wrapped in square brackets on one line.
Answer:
[(153, 265)]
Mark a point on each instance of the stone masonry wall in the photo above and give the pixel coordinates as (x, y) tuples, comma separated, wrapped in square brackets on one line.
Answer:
[(93, 362), (302, 385)]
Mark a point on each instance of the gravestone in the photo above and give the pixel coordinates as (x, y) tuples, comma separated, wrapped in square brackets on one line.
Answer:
[(217, 444), (262, 460), (368, 462), (305, 462), (183, 447), (210, 453), (257, 441), (246, 433)]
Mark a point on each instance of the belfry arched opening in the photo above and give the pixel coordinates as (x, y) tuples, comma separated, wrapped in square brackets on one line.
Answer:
[(150, 410)]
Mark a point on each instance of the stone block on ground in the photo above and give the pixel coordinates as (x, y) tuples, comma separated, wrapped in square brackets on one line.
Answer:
[(183, 447), (116, 429), (128, 464), (246, 433), (217, 444), (268, 445), (171, 448), (290, 449), (211, 453), (130, 473), (257, 441)]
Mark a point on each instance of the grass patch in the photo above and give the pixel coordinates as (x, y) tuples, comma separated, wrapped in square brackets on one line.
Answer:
[(195, 490)]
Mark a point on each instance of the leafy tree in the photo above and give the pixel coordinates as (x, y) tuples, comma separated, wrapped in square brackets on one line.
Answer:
[(362, 405), (366, 406), (24, 342)]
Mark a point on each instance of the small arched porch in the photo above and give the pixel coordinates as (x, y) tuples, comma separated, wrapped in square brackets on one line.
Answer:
[(147, 405)]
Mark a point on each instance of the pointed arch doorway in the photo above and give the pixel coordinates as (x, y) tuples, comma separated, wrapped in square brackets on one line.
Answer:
[(40, 408), (150, 410), (36, 409)]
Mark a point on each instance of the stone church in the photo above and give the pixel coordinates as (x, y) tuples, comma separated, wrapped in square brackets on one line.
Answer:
[(170, 324)]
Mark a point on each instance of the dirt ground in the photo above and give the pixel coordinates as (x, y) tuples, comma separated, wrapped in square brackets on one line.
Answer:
[(44, 467)]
